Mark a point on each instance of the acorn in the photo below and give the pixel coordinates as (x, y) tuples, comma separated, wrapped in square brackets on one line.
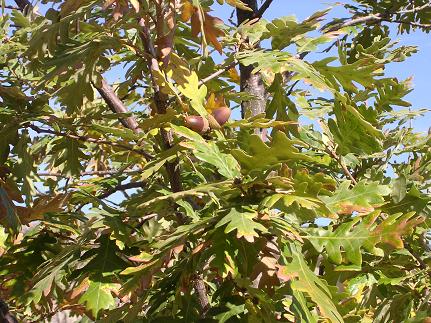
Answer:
[(197, 123), (222, 115)]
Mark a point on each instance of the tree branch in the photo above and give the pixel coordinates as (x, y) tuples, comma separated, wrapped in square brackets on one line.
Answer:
[(262, 9), (116, 105), (23, 4), (5, 315), (376, 18), (161, 101), (251, 82), (200, 288), (218, 73), (89, 139)]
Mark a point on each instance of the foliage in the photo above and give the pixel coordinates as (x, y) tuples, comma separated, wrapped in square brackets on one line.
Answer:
[(115, 210)]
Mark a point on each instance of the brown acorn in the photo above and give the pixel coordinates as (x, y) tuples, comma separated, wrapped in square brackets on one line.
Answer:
[(197, 123), (222, 115)]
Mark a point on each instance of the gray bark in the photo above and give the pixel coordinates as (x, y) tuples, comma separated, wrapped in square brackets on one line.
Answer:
[(251, 82)]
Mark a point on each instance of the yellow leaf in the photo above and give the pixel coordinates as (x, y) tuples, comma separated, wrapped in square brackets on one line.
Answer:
[(239, 4), (233, 74), (187, 11), (196, 94), (135, 5), (214, 102)]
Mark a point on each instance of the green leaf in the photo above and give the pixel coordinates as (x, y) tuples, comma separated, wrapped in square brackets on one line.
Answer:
[(70, 155), (8, 215), (351, 130), (363, 71), (3, 239), (286, 30), (25, 167), (191, 90), (280, 62), (104, 259), (45, 284), (98, 297), (233, 311), (257, 155), (209, 152), (362, 197), (305, 280), (241, 220), (348, 238)]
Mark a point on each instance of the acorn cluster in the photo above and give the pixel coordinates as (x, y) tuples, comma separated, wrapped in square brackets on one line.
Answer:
[(214, 120)]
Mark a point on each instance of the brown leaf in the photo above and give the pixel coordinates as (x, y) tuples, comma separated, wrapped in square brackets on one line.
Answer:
[(41, 206), (177, 249), (12, 190), (78, 290), (200, 246), (350, 208), (207, 24)]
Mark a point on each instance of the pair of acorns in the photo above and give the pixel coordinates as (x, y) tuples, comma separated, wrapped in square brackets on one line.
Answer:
[(214, 120)]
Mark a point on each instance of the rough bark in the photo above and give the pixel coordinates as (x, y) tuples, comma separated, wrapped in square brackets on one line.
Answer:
[(251, 82)]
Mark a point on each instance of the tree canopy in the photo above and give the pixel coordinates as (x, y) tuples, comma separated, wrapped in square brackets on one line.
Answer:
[(160, 164)]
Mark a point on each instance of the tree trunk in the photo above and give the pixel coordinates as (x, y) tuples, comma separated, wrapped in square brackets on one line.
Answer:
[(251, 82)]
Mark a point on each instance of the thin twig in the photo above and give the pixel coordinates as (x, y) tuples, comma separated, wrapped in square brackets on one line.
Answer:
[(11, 7), (121, 187), (422, 264), (292, 87), (416, 9), (375, 18), (218, 73), (92, 173), (410, 23), (342, 164), (90, 140)]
